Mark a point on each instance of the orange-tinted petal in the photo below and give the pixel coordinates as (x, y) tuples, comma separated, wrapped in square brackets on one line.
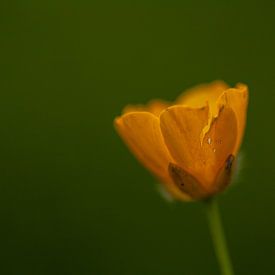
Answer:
[(224, 175), (141, 132), (155, 107), (237, 99), (219, 142), (187, 182), (181, 128), (198, 96)]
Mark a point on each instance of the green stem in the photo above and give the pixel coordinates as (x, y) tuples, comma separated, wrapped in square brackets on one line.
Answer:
[(218, 237)]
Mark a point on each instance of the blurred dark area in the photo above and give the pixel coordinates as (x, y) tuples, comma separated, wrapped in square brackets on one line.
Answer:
[(73, 200)]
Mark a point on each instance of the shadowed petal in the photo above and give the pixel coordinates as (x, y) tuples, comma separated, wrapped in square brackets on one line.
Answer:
[(224, 175), (187, 183)]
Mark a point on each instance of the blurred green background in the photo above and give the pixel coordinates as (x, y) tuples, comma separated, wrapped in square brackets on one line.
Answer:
[(73, 200)]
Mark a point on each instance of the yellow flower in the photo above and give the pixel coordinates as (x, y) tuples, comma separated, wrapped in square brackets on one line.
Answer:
[(190, 145)]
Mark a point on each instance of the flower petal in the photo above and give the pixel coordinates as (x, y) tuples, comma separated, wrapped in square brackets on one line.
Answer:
[(198, 96), (237, 99), (224, 175), (141, 132), (155, 107), (182, 127), (187, 183), (219, 142)]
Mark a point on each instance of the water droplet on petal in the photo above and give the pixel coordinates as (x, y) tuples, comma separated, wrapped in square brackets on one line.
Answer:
[(209, 141)]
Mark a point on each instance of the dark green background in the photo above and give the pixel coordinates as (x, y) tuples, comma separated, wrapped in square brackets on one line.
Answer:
[(73, 200)]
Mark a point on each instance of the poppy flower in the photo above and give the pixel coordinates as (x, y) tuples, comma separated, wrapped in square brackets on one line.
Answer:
[(190, 145)]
